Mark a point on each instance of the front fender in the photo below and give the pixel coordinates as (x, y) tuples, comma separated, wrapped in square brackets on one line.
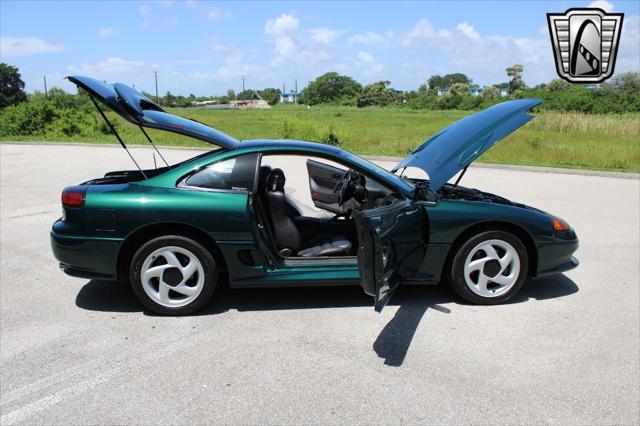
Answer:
[(450, 218)]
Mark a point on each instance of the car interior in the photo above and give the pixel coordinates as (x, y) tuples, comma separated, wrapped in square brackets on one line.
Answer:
[(328, 228)]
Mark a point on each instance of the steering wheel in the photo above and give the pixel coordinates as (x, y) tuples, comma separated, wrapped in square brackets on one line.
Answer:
[(345, 188)]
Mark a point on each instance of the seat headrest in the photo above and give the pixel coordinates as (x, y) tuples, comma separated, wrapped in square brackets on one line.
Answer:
[(263, 174), (275, 181)]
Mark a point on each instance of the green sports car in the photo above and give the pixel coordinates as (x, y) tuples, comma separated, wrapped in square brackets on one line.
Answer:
[(176, 230)]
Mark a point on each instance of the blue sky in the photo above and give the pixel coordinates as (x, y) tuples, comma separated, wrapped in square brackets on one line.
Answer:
[(204, 47)]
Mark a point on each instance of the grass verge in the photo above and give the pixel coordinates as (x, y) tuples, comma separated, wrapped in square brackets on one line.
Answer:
[(570, 140)]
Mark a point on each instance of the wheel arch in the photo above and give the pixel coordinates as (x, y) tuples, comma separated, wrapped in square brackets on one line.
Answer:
[(147, 232), (517, 230)]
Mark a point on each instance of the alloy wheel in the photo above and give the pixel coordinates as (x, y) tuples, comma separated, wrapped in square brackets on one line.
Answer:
[(492, 268), (172, 276)]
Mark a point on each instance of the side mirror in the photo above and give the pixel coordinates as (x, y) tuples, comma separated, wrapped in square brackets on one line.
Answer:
[(424, 194)]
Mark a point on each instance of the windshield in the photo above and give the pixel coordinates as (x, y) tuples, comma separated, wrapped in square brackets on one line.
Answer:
[(376, 169)]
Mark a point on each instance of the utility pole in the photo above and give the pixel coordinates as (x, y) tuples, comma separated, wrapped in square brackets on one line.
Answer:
[(243, 83), (295, 96), (46, 93), (284, 94), (155, 73)]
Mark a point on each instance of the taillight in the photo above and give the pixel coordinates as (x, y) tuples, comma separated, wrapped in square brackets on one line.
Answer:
[(73, 196), (560, 225)]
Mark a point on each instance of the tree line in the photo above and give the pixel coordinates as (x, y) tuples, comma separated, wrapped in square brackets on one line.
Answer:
[(621, 94)]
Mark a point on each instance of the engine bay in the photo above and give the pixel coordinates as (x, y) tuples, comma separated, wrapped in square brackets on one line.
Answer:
[(453, 192)]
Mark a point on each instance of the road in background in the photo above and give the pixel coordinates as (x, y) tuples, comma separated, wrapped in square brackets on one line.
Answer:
[(566, 350)]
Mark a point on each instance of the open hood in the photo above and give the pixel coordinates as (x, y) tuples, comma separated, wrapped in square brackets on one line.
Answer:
[(136, 108), (455, 147)]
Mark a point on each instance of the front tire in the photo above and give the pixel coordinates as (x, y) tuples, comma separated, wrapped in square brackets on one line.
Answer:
[(173, 275), (489, 268)]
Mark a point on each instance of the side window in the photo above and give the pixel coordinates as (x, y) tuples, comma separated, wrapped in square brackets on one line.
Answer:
[(233, 174)]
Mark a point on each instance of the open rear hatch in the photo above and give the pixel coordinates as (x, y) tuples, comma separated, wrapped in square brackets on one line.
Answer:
[(139, 110)]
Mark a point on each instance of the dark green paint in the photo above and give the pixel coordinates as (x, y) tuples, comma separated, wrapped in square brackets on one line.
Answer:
[(89, 241)]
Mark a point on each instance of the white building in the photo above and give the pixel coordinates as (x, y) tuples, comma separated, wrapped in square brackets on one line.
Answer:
[(290, 98)]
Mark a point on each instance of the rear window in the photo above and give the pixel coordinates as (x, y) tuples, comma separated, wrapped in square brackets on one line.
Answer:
[(234, 174)]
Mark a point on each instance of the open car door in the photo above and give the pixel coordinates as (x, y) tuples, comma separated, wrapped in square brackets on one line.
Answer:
[(323, 179), (391, 245)]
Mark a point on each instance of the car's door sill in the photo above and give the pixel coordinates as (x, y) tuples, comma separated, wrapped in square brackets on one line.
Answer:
[(300, 261)]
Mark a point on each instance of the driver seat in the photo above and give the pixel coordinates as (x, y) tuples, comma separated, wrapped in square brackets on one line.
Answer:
[(286, 234)]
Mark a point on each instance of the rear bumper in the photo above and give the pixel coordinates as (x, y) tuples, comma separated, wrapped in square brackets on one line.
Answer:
[(85, 257)]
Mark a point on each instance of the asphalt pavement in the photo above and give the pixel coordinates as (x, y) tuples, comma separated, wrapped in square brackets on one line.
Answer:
[(74, 351)]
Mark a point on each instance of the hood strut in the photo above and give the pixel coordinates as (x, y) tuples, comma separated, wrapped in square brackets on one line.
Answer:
[(113, 130), (460, 177)]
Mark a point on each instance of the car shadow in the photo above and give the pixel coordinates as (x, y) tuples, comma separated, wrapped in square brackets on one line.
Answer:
[(392, 342)]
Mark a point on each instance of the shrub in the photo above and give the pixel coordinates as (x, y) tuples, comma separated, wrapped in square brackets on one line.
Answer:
[(377, 94), (423, 101), (449, 101), (69, 122), (331, 88), (295, 128), (101, 126), (469, 102), (330, 138), (26, 118), (306, 130)]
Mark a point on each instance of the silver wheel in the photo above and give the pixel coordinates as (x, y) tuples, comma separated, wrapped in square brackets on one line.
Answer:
[(492, 268), (172, 276)]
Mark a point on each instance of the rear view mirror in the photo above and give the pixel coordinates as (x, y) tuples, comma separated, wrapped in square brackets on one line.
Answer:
[(424, 194)]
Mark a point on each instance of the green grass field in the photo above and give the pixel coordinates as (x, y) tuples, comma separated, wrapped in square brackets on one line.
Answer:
[(597, 142)]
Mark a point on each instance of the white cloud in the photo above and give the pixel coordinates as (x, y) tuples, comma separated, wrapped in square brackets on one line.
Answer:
[(365, 57), (602, 4), (365, 64), (483, 58), (368, 37), (468, 30), (285, 46), (111, 66), (282, 30), (211, 13), (167, 3), (628, 52), (144, 9), (16, 46), (217, 13), (220, 48), (235, 66), (284, 24), (324, 35), (107, 32), (300, 52), (423, 30)]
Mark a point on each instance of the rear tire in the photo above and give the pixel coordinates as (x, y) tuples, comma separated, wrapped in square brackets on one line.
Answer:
[(489, 268), (173, 275)]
